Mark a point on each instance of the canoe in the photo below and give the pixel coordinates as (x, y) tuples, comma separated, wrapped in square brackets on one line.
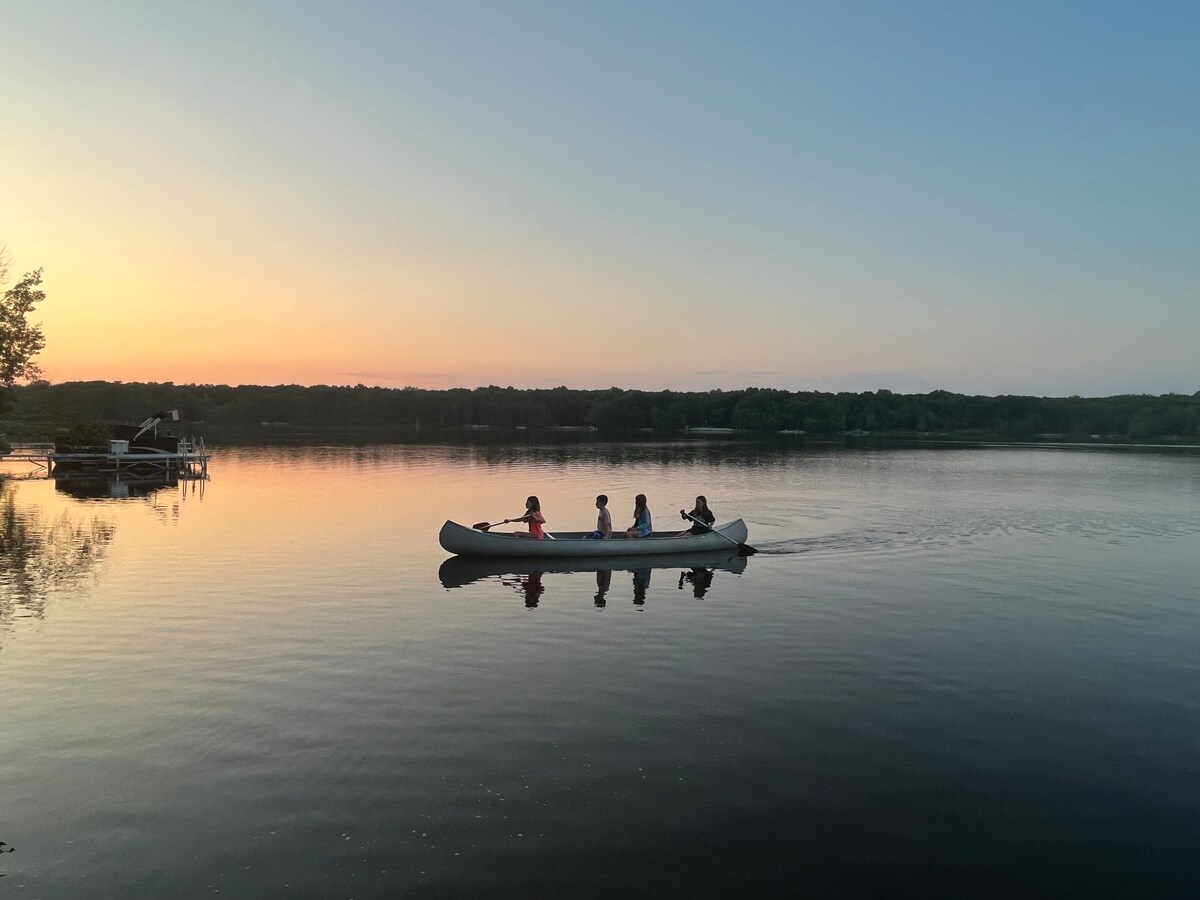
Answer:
[(464, 541), (459, 571)]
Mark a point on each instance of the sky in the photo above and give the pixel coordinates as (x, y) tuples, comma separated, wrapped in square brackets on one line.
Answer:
[(980, 197)]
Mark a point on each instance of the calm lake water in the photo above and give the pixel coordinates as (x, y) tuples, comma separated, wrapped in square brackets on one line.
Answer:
[(948, 672)]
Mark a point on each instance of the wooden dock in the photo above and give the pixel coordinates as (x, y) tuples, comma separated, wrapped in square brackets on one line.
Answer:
[(191, 460), (35, 454)]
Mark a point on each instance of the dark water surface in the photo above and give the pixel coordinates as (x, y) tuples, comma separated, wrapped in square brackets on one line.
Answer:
[(956, 672)]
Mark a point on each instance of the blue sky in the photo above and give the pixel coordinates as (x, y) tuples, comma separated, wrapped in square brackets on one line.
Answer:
[(990, 198)]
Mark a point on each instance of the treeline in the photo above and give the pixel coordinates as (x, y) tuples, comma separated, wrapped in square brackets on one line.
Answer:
[(612, 410)]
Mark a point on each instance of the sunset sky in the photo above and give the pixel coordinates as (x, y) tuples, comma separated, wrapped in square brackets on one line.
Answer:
[(982, 197)]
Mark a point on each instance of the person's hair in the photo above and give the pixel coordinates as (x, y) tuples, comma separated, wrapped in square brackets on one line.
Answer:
[(639, 503), (701, 502), (533, 503), (602, 498)]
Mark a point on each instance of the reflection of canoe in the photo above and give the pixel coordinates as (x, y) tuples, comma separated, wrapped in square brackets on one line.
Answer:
[(465, 541), (459, 571)]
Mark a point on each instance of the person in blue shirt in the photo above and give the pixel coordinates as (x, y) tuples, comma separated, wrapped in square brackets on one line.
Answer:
[(642, 525)]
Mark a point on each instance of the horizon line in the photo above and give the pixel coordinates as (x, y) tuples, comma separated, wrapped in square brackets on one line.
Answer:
[(876, 391)]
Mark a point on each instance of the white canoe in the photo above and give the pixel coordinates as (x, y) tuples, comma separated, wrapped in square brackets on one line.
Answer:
[(464, 541)]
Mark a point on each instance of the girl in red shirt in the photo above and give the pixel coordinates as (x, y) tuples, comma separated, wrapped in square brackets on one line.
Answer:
[(533, 515)]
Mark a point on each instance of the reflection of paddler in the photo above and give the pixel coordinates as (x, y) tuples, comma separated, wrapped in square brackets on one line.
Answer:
[(530, 585), (700, 579), (533, 589), (603, 582)]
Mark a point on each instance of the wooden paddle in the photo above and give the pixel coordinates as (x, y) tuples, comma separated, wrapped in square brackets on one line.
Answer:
[(743, 549), (484, 526)]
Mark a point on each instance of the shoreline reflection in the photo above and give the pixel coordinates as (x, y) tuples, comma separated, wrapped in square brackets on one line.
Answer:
[(526, 576), (40, 552)]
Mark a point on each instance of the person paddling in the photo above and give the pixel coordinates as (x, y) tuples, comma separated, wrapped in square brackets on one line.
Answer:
[(701, 512), (533, 515)]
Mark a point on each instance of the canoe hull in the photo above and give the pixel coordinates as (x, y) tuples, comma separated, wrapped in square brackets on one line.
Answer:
[(464, 541)]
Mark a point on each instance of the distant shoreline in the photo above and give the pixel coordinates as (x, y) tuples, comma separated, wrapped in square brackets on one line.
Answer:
[(1168, 419)]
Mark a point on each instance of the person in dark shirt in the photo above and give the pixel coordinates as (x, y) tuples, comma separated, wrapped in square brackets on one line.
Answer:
[(701, 512)]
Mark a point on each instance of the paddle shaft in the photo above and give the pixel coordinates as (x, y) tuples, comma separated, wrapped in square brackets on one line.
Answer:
[(484, 526)]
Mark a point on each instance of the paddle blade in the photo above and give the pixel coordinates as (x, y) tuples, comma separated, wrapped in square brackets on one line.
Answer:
[(482, 526), (746, 550)]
